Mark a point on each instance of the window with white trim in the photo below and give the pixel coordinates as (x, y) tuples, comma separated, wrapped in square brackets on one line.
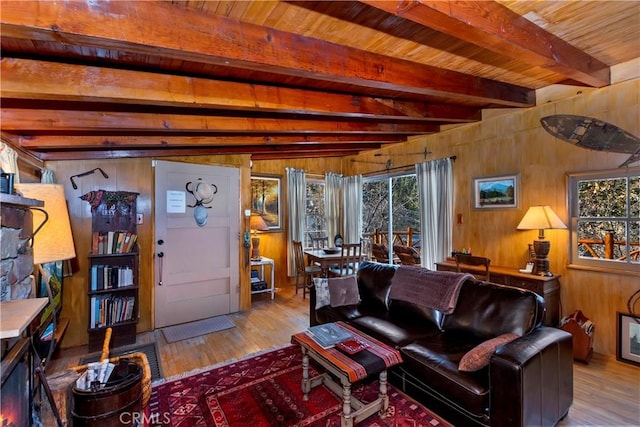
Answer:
[(605, 219)]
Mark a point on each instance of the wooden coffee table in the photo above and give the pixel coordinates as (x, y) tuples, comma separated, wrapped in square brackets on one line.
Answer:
[(348, 369)]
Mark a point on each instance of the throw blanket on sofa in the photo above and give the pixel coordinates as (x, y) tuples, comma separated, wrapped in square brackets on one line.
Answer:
[(434, 289)]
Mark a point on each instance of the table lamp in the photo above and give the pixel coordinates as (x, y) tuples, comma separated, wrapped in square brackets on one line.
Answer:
[(541, 218), (257, 223)]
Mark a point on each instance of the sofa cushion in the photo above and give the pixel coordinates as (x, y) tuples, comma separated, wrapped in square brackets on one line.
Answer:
[(478, 357), (407, 312), (328, 314), (396, 332), (321, 286), (343, 291), (434, 361), (374, 283), (488, 310)]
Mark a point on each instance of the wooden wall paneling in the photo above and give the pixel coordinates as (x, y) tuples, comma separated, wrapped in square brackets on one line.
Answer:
[(274, 244), (515, 142), (124, 175), (502, 143)]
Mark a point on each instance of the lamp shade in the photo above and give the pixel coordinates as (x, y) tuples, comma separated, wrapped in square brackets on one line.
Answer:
[(540, 218), (54, 241), (257, 223)]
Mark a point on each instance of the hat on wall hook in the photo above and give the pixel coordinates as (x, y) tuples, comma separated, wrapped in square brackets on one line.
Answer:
[(203, 192)]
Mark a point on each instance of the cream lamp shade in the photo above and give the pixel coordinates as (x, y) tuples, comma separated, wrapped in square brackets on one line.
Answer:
[(54, 241), (541, 218), (256, 223)]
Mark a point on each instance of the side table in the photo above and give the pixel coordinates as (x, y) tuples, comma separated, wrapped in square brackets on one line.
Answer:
[(272, 283)]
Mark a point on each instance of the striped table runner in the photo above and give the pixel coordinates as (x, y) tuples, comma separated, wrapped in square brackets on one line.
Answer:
[(372, 360)]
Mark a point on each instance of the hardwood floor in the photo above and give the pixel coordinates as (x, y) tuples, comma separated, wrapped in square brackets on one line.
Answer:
[(606, 392)]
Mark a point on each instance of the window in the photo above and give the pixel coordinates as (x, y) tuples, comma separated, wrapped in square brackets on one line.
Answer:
[(315, 219), (605, 219), (392, 200)]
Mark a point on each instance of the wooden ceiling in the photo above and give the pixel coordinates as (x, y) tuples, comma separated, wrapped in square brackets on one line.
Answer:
[(286, 79)]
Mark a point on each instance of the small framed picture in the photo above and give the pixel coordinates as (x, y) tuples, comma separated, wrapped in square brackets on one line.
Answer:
[(496, 192), (265, 200), (628, 348)]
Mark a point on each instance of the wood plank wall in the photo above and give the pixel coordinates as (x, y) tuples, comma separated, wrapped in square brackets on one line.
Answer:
[(515, 142), (504, 142)]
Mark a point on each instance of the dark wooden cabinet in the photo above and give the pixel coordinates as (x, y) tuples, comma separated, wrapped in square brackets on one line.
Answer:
[(547, 287), (114, 271)]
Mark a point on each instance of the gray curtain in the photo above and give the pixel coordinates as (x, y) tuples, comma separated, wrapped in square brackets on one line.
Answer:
[(296, 192), (352, 202), (333, 204), (435, 190)]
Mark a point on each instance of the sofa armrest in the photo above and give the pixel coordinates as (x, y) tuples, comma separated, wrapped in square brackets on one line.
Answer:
[(312, 305), (532, 379)]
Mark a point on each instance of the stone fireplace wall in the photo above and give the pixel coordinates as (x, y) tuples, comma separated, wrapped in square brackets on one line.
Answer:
[(16, 254)]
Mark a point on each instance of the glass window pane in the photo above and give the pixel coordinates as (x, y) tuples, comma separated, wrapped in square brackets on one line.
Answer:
[(315, 215), (602, 239), (634, 242), (406, 206), (375, 206), (634, 202), (602, 198)]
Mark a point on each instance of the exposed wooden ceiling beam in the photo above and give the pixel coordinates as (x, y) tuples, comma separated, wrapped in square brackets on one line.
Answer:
[(495, 27), (41, 80), (152, 28), (259, 153), (32, 120), (57, 142)]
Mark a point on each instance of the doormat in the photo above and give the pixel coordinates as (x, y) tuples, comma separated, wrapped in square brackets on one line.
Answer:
[(150, 350), (195, 329), (264, 391)]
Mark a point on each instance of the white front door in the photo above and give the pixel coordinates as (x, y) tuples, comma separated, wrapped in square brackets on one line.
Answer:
[(196, 248)]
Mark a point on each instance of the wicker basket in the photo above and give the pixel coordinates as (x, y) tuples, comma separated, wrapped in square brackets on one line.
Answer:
[(138, 357)]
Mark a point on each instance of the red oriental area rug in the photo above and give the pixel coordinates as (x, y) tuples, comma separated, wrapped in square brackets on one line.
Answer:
[(265, 390)]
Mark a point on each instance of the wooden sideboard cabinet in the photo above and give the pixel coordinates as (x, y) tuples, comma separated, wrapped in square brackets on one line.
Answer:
[(547, 287)]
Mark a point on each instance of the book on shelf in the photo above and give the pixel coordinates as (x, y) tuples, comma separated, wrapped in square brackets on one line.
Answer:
[(328, 334), (110, 277), (113, 242), (109, 310)]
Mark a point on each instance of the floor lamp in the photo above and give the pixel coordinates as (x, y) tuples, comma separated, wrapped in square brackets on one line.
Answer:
[(541, 218), (52, 241)]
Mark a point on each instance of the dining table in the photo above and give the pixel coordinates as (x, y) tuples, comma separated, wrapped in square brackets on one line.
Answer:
[(322, 258)]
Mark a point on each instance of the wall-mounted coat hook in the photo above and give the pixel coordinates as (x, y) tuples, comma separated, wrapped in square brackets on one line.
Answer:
[(75, 186)]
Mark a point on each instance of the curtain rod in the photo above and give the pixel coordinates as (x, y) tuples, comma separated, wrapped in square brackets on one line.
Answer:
[(399, 168)]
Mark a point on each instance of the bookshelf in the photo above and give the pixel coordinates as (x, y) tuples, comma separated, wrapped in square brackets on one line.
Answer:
[(113, 283)]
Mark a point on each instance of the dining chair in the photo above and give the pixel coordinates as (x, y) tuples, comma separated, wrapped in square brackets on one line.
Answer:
[(407, 254), (350, 258), (476, 261), (380, 252), (319, 242), (304, 273)]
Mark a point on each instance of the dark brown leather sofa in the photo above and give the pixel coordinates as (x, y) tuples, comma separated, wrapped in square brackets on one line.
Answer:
[(528, 382)]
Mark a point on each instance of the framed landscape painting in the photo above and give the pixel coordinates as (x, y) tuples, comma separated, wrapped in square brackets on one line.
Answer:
[(265, 200), (496, 192)]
